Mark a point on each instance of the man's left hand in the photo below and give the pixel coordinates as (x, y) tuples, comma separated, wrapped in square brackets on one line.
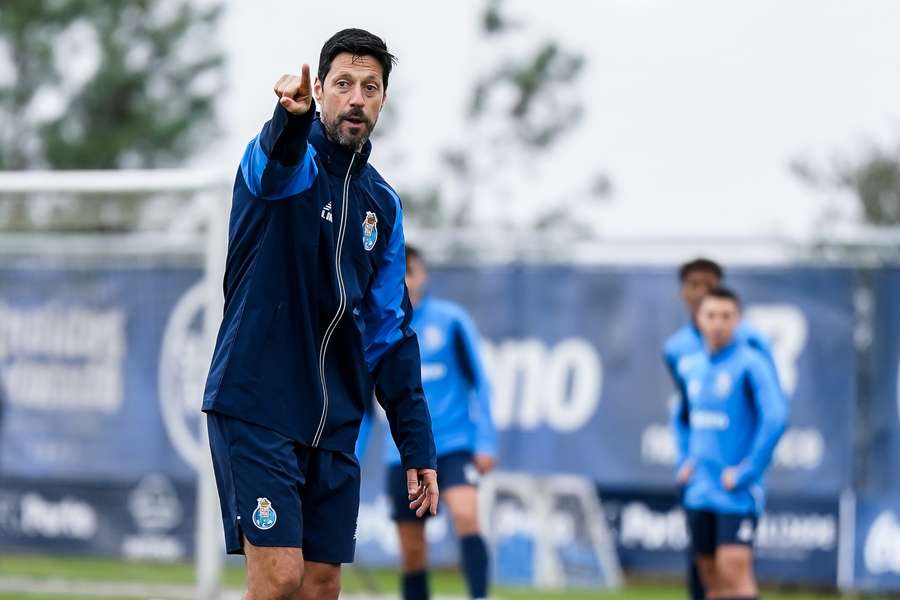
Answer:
[(729, 478), (484, 463)]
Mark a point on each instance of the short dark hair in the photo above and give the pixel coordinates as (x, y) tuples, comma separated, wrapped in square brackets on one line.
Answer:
[(725, 294), (703, 265), (413, 253), (357, 42)]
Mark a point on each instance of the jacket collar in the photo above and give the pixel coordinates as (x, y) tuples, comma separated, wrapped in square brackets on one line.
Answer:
[(724, 352), (336, 157)]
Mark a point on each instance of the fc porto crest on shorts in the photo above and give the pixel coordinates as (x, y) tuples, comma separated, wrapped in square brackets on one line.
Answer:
[(264, 516), (370, 231)]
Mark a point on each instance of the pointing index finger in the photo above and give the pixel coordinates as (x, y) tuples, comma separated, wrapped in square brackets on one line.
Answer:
[(304, 80)]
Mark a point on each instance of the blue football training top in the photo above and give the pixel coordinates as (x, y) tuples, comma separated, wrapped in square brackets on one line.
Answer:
[(456, 388), (736, 413)]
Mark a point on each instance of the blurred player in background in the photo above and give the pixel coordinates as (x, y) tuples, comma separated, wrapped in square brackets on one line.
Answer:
[(697, 278), (316, 316), (735, 415), (458, 396)]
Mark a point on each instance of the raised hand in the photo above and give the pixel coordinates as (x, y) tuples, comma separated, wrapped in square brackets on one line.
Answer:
[(295, 92)]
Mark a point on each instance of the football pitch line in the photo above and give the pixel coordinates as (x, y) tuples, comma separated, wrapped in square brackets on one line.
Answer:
[(147, 591)]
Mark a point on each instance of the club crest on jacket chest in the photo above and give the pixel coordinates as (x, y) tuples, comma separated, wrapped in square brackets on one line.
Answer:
[(370, 231)]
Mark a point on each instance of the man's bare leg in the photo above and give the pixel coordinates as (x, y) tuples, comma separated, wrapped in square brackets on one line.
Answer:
[(273, 573), (463, 503), (321, 581), (413, 560), (734, 572), (706, 566)]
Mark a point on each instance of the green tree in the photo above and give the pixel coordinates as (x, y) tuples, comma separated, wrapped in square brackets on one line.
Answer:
[(523, 103), (105, 85), (872, 180)]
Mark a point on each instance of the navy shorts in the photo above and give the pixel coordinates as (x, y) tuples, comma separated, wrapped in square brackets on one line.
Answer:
[(453, 469), (279, 493), (709, 530)]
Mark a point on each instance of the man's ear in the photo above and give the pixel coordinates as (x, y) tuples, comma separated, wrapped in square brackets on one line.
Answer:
[(317, 90)]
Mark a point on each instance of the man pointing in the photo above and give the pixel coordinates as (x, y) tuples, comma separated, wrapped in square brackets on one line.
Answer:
[(317, 318)]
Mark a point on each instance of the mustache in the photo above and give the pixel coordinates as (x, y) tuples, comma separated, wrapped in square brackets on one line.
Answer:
[(357, 114)]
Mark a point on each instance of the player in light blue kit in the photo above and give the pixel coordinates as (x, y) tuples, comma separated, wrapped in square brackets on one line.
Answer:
[(458, 395), (696, 279), (736, 413)]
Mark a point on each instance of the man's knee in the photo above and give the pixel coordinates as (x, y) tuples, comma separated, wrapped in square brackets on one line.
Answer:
[(463, 504), (465, 521), (734, 569), (284, 585), (321, 581)]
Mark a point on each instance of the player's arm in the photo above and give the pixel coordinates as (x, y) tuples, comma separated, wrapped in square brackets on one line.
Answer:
[(279, 162), (469, 343), (680, 417), (771, 408), (760, 342), (392, 355)]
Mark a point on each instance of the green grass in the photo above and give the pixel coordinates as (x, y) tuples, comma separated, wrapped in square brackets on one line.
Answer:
[(354, 580)]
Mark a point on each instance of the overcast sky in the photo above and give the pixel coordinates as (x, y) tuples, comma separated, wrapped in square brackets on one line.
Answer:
[(694, 108)]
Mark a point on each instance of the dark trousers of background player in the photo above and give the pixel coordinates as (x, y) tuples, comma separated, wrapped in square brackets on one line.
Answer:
[(695, 584)]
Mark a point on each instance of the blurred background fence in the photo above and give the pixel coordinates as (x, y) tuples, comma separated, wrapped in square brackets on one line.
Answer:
[(103, 354)]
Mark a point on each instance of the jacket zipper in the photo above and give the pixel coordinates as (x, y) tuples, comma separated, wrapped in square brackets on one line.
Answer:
[(342, 303)]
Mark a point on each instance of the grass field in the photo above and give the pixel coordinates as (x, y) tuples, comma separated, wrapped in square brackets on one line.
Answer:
[(70, 569)]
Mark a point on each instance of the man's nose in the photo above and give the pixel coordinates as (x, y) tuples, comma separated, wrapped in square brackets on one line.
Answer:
[(356, 97)]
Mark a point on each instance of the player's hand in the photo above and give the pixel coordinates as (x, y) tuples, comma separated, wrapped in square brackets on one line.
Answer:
[(685, 472), (729, 478), (422, 486), (295, 93), (484, 463)]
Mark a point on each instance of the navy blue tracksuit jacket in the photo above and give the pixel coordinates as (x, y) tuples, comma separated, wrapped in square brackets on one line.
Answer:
[(316, 310)]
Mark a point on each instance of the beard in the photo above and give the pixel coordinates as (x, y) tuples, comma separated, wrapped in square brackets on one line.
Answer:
[(353, 141)]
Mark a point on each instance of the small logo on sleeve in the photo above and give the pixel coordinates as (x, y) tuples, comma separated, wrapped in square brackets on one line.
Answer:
[(370, 231), (264, 516)]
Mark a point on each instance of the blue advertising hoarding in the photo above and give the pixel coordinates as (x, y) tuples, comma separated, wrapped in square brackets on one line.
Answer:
[(883, 456), (103, 371), (876, 543), (81, 351), (575, 358)]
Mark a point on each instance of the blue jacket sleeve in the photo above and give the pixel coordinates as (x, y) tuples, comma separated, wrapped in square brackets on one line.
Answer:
[(680, 417), (392, 354), (469, 343), (365, 431), (771, 408), (761, 342), (279, 161)]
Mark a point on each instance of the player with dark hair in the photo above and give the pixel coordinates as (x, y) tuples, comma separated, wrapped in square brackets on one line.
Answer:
[(317, 318), (697, 277), (736, 413)]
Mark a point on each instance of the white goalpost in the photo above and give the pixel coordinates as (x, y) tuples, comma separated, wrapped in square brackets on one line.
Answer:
[(198, 229)]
